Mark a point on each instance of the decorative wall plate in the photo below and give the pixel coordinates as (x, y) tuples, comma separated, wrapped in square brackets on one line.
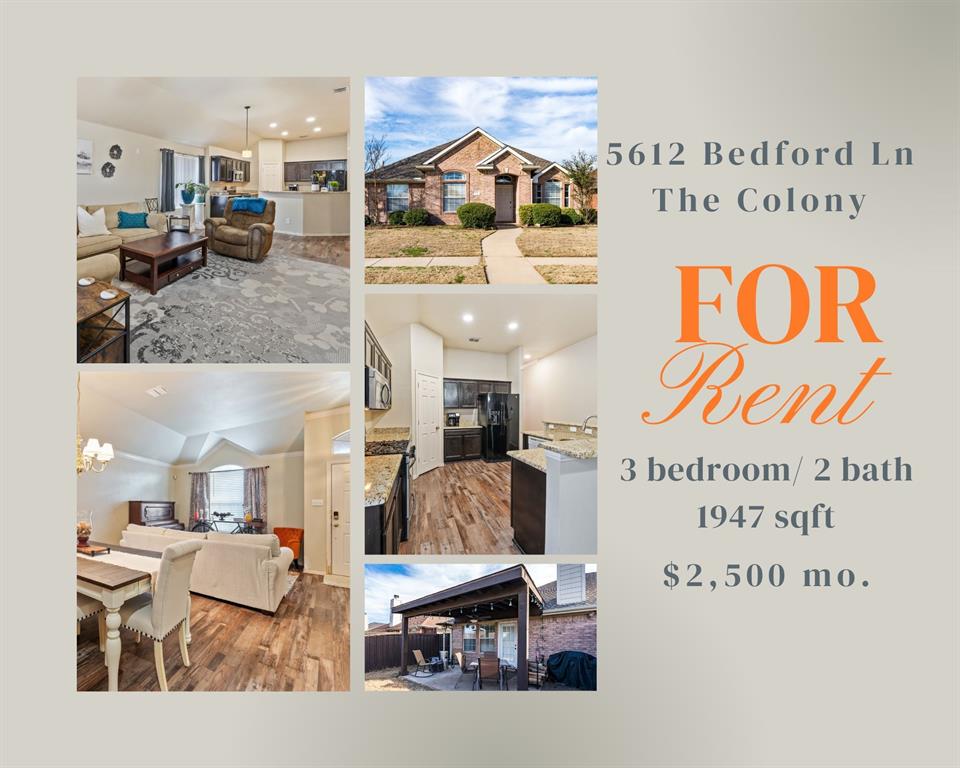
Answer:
[(116, 152), (107, 169)]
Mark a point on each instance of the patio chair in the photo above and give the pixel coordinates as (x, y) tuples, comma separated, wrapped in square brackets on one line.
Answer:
[(422, 664), (489, 670)]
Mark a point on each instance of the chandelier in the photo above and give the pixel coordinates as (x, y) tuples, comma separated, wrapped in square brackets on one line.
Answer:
[(92, 457)]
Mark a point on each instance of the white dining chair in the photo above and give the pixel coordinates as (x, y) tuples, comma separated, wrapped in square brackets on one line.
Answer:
[(87, 607), (159, 614)]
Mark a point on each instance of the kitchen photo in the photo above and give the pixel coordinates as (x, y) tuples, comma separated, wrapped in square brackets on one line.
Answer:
[(481, 424)]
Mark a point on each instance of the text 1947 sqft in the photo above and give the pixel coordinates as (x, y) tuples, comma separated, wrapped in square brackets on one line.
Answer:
[(755, 575)]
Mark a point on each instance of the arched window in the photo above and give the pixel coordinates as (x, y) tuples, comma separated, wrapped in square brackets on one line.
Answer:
[(454, 190)]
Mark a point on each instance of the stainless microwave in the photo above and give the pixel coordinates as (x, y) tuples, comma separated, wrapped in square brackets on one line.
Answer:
[(377, 390)]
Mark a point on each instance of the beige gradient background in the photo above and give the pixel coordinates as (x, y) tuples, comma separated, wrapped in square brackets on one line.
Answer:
[(788, 677)]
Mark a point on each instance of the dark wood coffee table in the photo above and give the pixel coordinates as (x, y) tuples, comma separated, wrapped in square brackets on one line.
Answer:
[(102, 337), (160, 260)]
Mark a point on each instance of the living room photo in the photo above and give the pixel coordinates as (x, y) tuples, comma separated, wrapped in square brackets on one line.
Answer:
[(213, 531), (213, 220), (481, 424), (476, 180)]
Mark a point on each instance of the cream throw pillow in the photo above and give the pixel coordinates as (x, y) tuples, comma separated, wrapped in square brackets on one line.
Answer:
[(90, 224)]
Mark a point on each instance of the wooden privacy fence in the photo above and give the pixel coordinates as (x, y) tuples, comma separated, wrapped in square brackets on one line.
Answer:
[(383, 651)]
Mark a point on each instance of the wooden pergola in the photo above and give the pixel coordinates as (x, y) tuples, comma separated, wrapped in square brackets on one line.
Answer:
[(506, 594)]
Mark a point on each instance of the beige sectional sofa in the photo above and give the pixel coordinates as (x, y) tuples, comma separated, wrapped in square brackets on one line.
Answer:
[(98, 256), (248, 569)]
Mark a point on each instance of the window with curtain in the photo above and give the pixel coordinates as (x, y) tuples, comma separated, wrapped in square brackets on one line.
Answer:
[(553, 192), (454, 190), (226, 490), (185, 168), (341, 443), (398, 197)]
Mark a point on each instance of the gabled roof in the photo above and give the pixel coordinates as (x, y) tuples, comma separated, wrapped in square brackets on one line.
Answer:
[(549, 592), (412, 168), (544, 170)]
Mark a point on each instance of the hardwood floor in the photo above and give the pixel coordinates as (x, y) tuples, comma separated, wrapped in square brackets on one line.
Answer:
[(462, 508), (332, 249), (305, 646)]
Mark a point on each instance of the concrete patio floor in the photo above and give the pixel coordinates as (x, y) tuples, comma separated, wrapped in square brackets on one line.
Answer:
[(453, 679)]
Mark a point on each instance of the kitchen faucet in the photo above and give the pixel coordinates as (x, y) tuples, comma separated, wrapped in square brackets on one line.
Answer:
[(583, 427)]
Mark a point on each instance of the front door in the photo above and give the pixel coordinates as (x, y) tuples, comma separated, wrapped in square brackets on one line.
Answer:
[(507, 642), (429, 434), (340, 519), (505, 201)]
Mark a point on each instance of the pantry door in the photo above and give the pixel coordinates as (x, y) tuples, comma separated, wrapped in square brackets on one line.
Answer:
[(429, 434)]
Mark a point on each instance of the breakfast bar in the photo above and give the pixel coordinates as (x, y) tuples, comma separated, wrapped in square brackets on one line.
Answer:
[(311, 213)]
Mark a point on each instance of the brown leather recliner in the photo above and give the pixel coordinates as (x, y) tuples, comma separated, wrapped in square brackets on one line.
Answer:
[(242, 234)]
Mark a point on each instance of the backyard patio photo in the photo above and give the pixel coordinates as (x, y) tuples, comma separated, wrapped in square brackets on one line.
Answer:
[(481, 180), (480, 627)]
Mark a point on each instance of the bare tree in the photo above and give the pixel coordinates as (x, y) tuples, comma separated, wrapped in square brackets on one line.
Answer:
[(374, 159), (581, 168)]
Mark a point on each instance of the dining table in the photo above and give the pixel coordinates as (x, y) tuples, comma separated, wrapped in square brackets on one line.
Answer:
[(114, 578)]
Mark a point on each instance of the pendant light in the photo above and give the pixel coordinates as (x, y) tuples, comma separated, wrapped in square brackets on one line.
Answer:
[(247, 152)]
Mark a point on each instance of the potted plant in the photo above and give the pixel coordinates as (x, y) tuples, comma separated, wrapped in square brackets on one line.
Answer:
[(192, 189), (334, 186), (318, 179)]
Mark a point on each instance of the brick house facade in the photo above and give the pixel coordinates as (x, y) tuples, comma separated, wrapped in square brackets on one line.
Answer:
[(476, 168), (562, 627)]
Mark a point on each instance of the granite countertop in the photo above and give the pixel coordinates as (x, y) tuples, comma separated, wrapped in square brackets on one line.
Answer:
[(558, 434), (463, 426), (583, 448), (387, 434), (379, 474), (535, 457)]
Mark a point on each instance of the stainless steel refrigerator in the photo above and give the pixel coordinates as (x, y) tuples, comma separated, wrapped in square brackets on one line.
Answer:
[(499, 415)]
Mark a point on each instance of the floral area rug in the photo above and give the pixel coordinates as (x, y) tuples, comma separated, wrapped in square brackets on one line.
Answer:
[(282, 310)]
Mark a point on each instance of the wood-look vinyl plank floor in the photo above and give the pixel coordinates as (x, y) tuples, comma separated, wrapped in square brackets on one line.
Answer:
[(461, 508), (304, 646), (330, 249)]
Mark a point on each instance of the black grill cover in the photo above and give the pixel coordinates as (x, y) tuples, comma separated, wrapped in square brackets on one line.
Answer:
[(573, 668)]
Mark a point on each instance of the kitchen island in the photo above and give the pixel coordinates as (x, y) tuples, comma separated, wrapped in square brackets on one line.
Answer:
[(385, 489), (311, 213)]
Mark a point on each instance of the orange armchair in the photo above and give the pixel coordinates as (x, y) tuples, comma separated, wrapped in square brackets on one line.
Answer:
[(292, 538)]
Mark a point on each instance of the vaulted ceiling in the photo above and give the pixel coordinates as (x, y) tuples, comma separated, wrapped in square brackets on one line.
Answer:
[(261, 412)]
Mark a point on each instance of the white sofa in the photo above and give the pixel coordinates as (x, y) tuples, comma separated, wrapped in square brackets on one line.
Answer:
[(249, 569)]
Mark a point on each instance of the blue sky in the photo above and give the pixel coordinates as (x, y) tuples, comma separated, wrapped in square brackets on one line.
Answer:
[(549, 116), (381, 582)]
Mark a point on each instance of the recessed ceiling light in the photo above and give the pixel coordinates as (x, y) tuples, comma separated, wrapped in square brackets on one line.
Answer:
[(317, 129), (512, 326), (273, 125), (284, 133), (527, 357), (467, 317), (311, 119)]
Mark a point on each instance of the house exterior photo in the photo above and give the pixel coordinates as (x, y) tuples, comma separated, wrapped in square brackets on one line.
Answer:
[(475, 168)]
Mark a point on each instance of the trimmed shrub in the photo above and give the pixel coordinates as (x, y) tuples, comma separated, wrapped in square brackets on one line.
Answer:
[(476, 215), (367, 220), (416, 217), (547, 215), (396, 217), (571, 216), (591, 216), (526, 215)]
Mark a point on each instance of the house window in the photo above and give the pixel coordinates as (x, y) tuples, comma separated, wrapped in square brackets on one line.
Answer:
[(469, 638), (226, 490), (537, 193), (398, 197), (566, 195), (185, 168), (488, 637), (552, 192), (341, 443), (454, 190)]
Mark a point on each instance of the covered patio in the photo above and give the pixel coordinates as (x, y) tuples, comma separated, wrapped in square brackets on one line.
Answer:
[(507, 594)]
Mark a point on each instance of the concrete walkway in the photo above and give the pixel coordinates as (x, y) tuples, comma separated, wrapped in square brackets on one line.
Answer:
[(424, 261), (505, 264)]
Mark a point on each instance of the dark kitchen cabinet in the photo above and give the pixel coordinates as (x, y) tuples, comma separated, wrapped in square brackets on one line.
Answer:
[(223, 169), (528, 507), (451, 394), (501, 387), (374, 356), (302, 171), (382, 523), (468, 394), (462, 444)]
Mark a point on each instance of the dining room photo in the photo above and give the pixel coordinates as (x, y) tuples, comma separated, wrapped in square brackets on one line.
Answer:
[(489, 627), (213, 530)]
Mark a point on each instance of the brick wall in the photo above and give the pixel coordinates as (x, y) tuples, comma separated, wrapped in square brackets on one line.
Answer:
[(549, 635)]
